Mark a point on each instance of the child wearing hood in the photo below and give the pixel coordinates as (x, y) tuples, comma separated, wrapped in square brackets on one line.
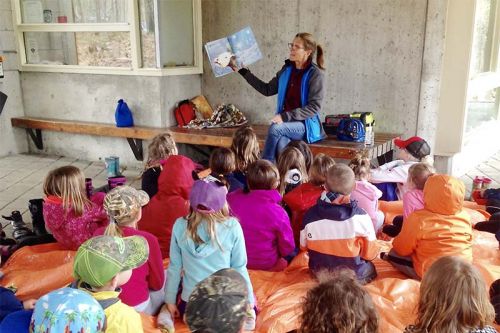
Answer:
[(171, 200), (441, 229)]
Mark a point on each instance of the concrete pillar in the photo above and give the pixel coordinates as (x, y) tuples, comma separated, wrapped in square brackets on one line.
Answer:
[(13, 141)]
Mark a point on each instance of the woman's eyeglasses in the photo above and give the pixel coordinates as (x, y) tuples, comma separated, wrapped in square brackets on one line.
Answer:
[(292, 46)]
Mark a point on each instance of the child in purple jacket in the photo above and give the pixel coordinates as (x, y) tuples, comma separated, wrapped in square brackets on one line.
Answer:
[(265, 224)]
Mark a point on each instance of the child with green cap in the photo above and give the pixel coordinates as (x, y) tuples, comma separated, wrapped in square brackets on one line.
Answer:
[(104, 263)]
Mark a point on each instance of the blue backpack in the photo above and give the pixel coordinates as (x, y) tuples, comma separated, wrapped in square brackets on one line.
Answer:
[(123, 115), (351, 129)]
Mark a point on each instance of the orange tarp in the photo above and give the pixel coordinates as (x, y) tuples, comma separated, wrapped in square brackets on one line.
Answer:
[(36, 270)]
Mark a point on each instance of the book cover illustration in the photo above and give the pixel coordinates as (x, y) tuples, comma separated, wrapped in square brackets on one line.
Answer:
[(240, 46)]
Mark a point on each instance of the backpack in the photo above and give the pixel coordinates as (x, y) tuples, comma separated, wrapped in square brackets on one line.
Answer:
[(123, 115), (184, 112), (351, 129)]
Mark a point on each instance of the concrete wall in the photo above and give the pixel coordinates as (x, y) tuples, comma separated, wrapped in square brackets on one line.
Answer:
[(86, 97), (373, 51), (11, 141)]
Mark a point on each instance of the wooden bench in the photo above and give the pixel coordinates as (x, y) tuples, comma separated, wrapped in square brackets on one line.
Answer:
[(219, 137)]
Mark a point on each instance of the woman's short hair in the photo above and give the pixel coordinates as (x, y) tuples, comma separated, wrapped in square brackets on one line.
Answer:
[(338, 304), (262, 175)]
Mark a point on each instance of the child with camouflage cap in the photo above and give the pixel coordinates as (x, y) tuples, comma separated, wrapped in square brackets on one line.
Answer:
[(218, 303), (103, 264), (144, 290)]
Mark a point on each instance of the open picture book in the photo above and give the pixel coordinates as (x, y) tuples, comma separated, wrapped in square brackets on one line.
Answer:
[(240, 47)]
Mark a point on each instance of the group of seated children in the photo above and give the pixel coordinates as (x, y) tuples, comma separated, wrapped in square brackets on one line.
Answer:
[(250, 214)]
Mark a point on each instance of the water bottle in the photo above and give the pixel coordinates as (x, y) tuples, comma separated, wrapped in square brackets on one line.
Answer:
[(369, 136)]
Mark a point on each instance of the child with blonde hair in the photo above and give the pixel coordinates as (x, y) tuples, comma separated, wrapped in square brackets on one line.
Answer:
[(205, 241), (413, 199), (304, 196), (338, 234), (338, 304), (69, 214), (269, 241), (144, 291), (365, 193), (161, 147), (222, 164), (453, 298), (245, 147), (292, 169)]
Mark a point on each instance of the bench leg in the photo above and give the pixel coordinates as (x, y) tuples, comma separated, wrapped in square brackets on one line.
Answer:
[(136, 146), (385, 158), (36, 137)]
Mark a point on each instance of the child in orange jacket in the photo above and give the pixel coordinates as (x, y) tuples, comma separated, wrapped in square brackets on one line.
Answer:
[(441, 229)]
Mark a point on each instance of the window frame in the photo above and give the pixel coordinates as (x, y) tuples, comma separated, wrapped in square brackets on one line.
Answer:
[(132, 27)]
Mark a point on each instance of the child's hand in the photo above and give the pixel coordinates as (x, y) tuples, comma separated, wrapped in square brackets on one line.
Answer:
[(174, 312), (29, 304)]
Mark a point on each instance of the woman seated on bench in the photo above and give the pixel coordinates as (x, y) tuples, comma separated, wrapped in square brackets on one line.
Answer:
[(300, 88)]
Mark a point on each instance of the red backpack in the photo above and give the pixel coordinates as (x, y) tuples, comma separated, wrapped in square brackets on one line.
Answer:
[(184, 112)]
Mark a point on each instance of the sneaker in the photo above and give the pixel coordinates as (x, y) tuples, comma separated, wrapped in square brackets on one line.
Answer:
[(249, 324)]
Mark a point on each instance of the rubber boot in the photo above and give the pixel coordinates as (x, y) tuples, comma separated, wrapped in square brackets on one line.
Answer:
[(36, 209)]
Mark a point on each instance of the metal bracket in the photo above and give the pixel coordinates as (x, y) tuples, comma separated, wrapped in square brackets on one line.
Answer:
[(36, 137), (136, 146)]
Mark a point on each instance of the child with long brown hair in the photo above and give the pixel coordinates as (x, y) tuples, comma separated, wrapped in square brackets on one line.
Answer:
[(292, 169), (144, 290), (69, 214), (161, 147), (222, 164), (453, 298), (269, 241), (205, 241), (303, 197), (246, 151), (365, 193), (338, 304)]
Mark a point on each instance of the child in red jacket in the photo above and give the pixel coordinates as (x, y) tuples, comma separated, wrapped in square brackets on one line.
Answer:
[(171, 201), (303, 197)]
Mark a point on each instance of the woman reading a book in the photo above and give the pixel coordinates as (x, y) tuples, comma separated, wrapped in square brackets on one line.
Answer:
[(299, 85)]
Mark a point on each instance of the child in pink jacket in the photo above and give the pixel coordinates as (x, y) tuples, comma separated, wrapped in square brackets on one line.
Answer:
[(70, 216), (365, 193), (265, 224), (413, 199)]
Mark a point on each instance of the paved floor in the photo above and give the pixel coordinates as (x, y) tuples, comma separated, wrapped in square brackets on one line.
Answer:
[(21, 178)]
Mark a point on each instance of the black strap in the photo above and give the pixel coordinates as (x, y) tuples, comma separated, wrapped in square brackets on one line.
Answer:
[(105, 303)]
